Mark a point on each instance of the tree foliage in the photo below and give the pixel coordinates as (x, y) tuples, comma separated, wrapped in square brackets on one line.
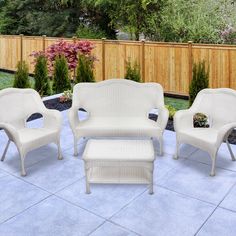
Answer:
[(61, 81), (199, 81), (201, 21), (131, 15), (41, 76), (133, 72), (21, 79), (50, 17), (85, 69)]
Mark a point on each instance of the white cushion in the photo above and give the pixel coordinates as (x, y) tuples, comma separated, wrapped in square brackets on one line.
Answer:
[(112, 126)]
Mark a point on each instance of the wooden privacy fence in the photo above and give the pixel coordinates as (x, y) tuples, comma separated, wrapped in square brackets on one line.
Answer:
[(169, 64)]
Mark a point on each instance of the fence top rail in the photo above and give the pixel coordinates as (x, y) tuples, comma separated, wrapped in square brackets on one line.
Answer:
[(195, 45)]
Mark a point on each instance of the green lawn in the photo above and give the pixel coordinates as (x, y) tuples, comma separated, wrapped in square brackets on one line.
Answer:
[(6, 81), (178, 104)]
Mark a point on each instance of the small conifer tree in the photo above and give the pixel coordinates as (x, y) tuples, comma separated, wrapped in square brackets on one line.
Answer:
[(133, 72), (199, 81), (85, 70), (61, 81), (21, 79), (41, 76)]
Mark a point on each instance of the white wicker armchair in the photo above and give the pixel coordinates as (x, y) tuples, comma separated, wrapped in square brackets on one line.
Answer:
[(16, 106), (220, 106), (118, 108)]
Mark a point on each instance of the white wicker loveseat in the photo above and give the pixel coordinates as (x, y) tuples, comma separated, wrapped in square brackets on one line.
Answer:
[(118, 108)]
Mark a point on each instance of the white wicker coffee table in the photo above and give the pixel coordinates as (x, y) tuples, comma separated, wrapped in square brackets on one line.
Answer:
[(119, 161)]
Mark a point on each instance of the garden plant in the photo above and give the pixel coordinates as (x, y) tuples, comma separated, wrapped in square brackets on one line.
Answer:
[(41, 76), (133, 71), (199, 81), (21, 79), (61, 80), (85, 69)]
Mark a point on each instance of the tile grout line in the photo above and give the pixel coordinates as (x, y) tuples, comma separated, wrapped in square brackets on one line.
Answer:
[(96, 228), (217, 167), (128, 203), (69, 185), (134, 199), (123, 227), (218, 206), (106, 219), (185, 195), (227, 209), (71, 203), (21, 212)]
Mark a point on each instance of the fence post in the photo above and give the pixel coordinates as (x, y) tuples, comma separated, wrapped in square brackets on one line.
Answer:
[(230, 69), (103, 58), (44, 42), (74, 71), (190, 56), (143, 60), (21, 47)]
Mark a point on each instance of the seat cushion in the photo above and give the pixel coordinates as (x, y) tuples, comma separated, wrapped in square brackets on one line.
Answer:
[(36, 137), (118, 126), (200, 137)]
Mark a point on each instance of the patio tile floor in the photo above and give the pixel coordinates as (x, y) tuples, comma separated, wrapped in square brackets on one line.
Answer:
[(51, 199)]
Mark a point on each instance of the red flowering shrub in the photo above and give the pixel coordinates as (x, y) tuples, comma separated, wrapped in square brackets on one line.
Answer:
[(71, 52)]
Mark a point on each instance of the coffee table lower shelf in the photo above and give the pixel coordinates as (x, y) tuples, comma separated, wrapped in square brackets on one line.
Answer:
[(119, 175)]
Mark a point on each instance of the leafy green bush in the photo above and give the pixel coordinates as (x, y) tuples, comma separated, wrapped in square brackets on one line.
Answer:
[(21, 79), (61, 75), (41, 76), (199, 81), (171, 110), (90, 32), (85, 70), (133, 72)]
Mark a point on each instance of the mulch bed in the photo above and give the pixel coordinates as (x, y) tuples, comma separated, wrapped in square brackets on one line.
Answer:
[(55, 104)]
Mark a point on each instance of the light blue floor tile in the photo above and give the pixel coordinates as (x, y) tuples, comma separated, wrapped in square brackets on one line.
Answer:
[(52, 217), (221, 223), (104, 200), (11, 163), (16, 196), (223, 158), (81, 146), (164, 164), (2, 173), (169, 141), (53, 175), (109, 229), (230, 201), (193, 179), (164, 213)]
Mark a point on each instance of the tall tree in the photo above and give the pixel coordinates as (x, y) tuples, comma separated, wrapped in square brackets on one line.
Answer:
[(131, 15), (39, 17)]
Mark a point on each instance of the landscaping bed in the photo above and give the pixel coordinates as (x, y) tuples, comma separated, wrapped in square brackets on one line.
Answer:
[(56, 104)]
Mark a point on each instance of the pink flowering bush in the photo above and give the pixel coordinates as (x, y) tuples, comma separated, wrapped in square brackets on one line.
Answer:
[(71, 52)]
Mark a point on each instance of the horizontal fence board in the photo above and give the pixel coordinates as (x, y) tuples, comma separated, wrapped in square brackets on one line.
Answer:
[(165, 63)]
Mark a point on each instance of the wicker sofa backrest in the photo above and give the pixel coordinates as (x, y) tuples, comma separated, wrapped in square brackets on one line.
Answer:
[(118, 97)]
